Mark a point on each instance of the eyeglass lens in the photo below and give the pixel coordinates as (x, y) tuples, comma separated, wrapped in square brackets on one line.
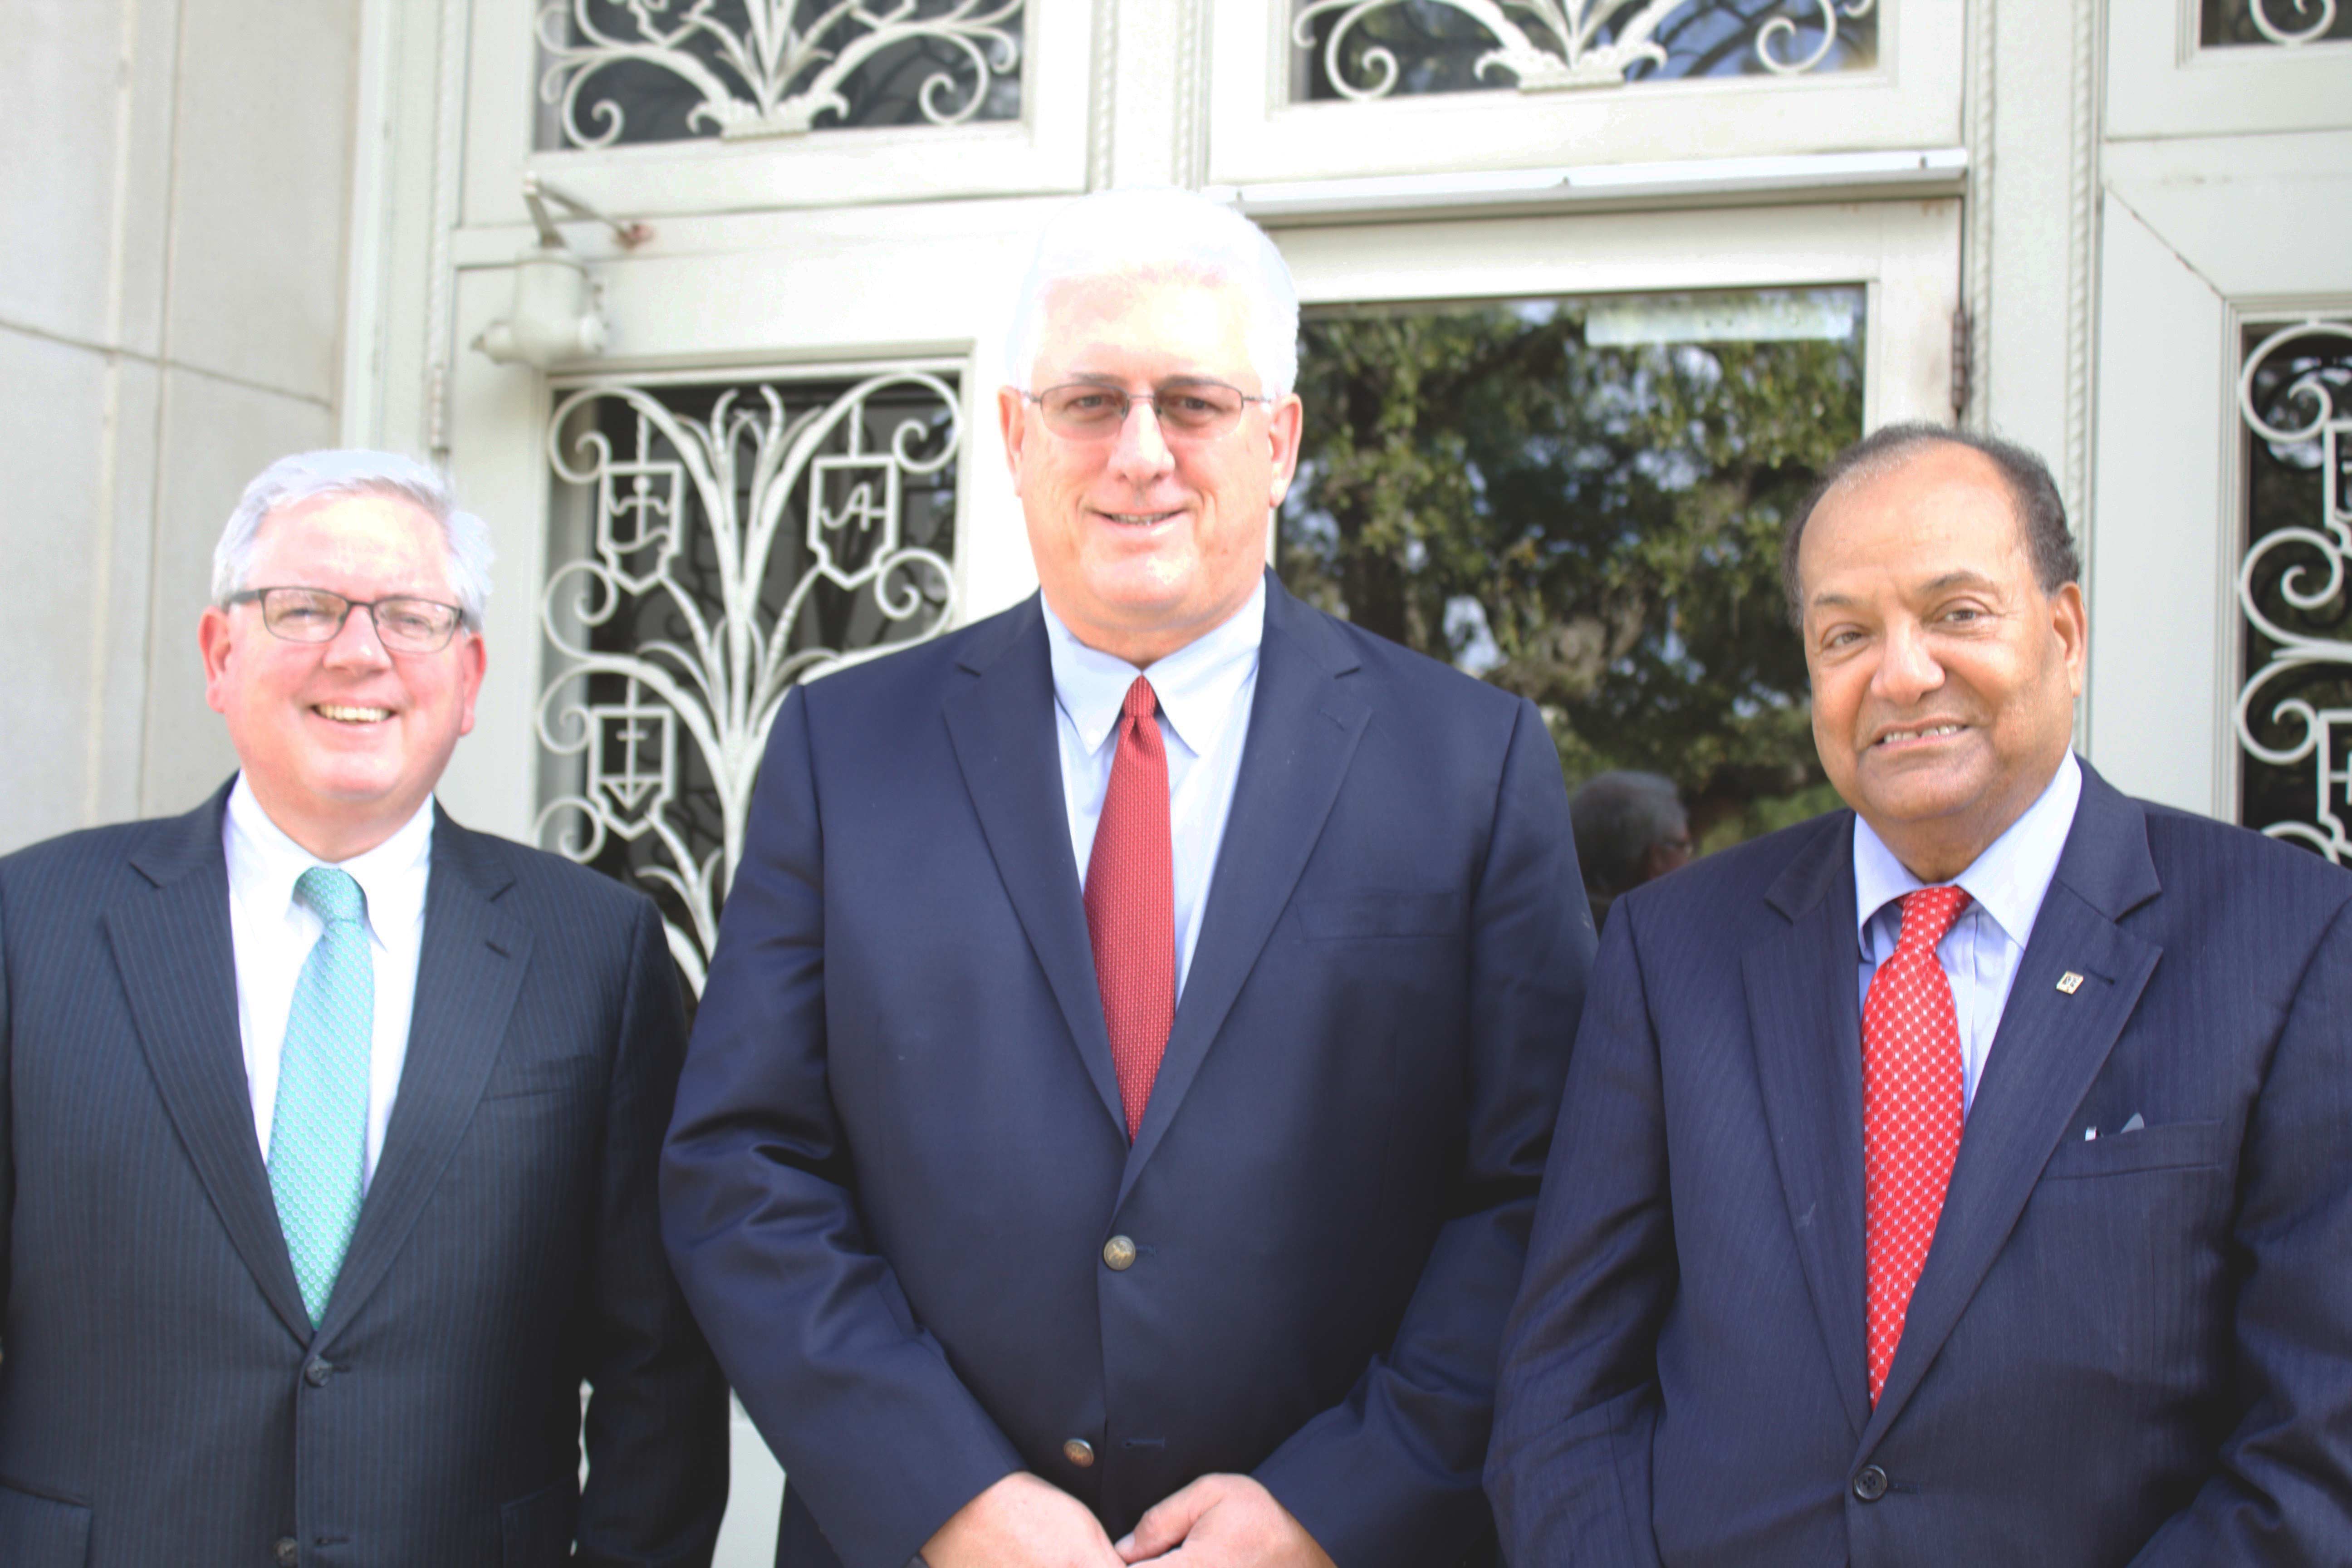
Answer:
[(1187, 408), (313, 614)]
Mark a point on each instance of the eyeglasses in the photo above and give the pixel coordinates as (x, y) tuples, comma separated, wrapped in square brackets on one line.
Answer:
[(313, 614), (1194, 410)]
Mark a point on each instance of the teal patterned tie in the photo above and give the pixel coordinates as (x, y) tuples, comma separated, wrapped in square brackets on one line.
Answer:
[(318, 1135)]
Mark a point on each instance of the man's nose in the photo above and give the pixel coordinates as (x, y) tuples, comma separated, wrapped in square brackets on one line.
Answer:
[(357, 644), (1141, 453), (1908, 666)]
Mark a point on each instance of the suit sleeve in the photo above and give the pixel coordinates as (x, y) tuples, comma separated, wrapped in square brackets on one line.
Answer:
[(1391, 1476), (1570, 1468), (657, 1419), (7, 1117), (2281, 1486), (759, 1206)]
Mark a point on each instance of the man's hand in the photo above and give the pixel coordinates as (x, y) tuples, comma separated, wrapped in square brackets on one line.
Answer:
[(1222, 1521), (1022, 1522)]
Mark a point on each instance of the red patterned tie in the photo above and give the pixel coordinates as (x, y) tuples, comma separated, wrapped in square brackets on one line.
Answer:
[(1131, 903), (1910, 1112)]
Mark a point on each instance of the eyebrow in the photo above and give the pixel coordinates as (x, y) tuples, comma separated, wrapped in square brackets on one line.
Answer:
[(1950, 580)]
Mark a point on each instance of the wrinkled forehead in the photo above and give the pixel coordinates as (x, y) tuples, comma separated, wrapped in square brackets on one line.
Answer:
[(1916, 516), (1176, 315), (362, 532)]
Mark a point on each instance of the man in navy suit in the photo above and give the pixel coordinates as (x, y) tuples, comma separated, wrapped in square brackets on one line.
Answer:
[(1137, 1019), (1960, 1179), (327, 1128)]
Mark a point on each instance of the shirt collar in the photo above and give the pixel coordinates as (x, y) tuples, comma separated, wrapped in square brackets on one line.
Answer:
[(264, 864), (2007, 882), (1196, 684)]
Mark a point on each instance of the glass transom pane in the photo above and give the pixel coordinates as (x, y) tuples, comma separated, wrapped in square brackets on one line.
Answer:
[(618, 72), (1581, 502), (1376, 48), (2224, 23)]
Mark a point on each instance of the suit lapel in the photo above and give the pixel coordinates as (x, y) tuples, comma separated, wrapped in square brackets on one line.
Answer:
[(1303, 731), (1001, 725), (468, 975), (1802, 1007), (178, 962), (2045, 1055)]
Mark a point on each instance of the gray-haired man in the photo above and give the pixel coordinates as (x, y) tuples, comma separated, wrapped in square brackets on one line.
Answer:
[(327, 1128)]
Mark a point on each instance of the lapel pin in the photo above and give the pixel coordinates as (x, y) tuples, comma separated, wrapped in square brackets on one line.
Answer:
[(2070, 983)]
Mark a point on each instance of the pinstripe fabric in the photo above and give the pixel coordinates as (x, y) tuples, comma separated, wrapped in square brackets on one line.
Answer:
[(154, 1388), (2125, 1348)]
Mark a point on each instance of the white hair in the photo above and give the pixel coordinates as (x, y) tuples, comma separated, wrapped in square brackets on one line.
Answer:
[(1163, 232), (318, 475)]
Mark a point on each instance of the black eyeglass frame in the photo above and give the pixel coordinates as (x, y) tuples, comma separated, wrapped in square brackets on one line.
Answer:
[(1173, 387), (372, 606)]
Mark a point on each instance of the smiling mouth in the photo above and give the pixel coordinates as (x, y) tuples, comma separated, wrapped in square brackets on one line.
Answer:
[(1140, 519), (343, 713), (1924, 732)]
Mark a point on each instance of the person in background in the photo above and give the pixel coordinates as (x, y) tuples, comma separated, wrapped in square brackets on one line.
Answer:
[(328, 1127), (1631, 828), (1959, 1178), (1136, 1022)]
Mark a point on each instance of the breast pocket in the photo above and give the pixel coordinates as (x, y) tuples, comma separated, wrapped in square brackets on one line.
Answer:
[(543, 1074), (42, 1532), (1398, 916), (2180, 1145)]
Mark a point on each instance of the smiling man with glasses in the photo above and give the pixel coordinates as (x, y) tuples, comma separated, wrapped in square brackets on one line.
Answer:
[(328, 1127), (1137, 1019)]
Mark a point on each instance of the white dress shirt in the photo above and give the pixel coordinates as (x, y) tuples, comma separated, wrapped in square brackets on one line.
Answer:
[(2005, 885), (273, 933), (1205, 690)]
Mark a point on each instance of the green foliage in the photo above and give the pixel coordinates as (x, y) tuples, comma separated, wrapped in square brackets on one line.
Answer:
[(1613, 512)]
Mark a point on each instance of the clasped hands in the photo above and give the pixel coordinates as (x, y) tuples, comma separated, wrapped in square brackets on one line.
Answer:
[(1218, 1521)]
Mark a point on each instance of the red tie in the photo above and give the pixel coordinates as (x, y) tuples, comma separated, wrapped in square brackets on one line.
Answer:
[(1131, 903), (1910, 1112)]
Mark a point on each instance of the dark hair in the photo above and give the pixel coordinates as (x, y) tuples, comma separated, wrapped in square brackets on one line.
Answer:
[(2034, 495), (1616, 816)]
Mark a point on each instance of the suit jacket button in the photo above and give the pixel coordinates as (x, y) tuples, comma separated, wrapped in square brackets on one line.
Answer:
[(317, 1372), (1119, 1253), (1079, 1452), (1870, 1483), (286, 1553)]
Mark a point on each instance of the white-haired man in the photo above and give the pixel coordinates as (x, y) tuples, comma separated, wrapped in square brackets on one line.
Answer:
[(1115, 1112), (328, 1129)]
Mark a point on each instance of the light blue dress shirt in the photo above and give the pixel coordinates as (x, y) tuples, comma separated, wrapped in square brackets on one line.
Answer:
[(2005, 885), (1205, 689)]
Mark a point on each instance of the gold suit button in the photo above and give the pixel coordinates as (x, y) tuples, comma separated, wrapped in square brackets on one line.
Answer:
[(1079, 1452), (1118, 1252)]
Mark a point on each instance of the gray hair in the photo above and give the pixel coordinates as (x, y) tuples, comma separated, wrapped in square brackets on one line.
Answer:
[(1616, 818), (2033, 497), (1163, 232), (320, 475)]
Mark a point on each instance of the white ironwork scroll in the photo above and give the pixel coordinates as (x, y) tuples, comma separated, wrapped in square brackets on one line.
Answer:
[(735, 542), (2295, 710)]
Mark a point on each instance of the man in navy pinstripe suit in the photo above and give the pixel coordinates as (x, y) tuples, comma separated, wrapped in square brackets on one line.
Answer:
[(1960, 1179), (327, 1128)]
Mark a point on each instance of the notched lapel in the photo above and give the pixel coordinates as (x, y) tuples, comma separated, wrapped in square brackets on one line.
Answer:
[(173, 947), (1304, 730), (1802, 1009), (2047, 1052), (1001, 725), (468, 975)]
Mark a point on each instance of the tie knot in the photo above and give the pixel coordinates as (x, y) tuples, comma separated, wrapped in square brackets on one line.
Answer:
[(1928, 913), (336, 895), (1141, 704)]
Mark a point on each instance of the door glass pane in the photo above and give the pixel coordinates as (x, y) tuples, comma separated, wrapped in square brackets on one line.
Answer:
[(2295, 711), (1581, 501), (2225, 23), (713, 544), (616, 73), (1349, 48)]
